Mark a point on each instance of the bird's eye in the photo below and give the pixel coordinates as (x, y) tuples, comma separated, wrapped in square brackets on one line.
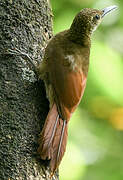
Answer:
[(97, 17)]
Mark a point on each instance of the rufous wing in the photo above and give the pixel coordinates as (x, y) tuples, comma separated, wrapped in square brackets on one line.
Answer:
[(68, 87)]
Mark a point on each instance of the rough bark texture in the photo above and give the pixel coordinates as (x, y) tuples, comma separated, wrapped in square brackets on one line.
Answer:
[(25, 25)]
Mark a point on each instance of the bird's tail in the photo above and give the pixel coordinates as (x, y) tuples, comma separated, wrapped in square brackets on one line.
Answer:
[(53, 138)]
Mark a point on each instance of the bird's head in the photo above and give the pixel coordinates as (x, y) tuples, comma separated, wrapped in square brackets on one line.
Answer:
[(87, 20)]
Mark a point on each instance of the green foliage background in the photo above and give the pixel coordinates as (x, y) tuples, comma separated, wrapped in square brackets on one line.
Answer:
[(95, 142)]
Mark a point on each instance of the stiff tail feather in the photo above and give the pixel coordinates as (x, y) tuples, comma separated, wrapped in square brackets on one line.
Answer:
[(53, 139)]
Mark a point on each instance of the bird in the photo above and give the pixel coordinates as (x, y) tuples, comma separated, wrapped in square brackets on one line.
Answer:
[(64, 70)]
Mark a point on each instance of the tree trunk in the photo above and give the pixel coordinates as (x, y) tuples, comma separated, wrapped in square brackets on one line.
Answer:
[(25, 25)]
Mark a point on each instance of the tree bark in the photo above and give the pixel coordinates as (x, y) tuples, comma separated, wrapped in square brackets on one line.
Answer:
[(25, 25)]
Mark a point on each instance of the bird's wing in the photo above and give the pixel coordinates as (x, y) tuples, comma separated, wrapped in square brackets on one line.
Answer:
[(68, 87)]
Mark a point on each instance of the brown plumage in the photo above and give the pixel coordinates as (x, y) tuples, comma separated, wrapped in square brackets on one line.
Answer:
[(64, 70)]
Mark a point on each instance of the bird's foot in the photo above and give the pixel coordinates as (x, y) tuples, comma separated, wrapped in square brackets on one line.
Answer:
[(18, 52)]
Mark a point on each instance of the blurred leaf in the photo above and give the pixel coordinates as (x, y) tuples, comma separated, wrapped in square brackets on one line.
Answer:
[(107, 70), (72, 166)]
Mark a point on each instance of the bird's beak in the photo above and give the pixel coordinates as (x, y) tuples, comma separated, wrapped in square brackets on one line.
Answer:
[(107, 10)]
